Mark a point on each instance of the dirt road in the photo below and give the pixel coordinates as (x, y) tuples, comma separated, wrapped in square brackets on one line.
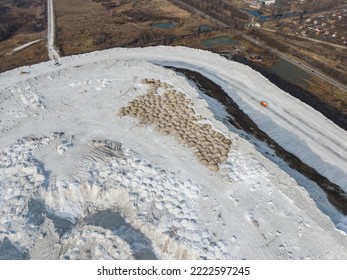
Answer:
[(52, 52)]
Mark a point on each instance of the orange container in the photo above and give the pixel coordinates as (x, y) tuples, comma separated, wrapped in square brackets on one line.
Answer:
[(263, 103)]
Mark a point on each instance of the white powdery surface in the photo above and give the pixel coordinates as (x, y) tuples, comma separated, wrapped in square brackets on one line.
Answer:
[(80, 180), (294, 125)]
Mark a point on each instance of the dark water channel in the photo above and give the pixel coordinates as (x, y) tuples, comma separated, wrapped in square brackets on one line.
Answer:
[(205, 28), (219, 41), (164, 25)]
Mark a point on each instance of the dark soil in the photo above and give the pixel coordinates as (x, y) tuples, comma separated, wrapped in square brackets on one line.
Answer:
[(237, 118)]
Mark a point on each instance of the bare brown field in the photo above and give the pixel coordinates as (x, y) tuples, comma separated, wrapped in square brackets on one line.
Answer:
[(329, 93), (22, 22), (84, 26), (32, 55)]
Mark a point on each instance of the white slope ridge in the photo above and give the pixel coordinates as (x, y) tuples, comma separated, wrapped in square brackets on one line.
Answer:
[(172, 206)]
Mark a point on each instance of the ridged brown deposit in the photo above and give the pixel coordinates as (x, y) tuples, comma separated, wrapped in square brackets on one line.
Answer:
[(172, 114)]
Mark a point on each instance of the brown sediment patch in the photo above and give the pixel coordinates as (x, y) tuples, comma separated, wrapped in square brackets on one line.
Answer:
[(172, 114)]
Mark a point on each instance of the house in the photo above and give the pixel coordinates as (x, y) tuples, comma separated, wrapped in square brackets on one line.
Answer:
[(255, 58), (267, 2)]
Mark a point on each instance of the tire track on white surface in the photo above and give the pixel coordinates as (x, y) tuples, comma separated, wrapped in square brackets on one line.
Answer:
[(339, 145), (313, 141)]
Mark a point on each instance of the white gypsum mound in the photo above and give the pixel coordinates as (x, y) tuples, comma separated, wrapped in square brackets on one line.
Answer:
[(77, 180)]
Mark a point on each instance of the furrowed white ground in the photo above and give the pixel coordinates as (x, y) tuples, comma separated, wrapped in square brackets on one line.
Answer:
[(67, 157)]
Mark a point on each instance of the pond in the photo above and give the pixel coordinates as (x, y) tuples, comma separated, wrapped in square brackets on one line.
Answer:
[(205, 28), (264, 18), (164, 25), (291, 73), (219, 41), (254, 13)]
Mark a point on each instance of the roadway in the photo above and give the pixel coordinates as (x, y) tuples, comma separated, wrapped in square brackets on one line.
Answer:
[(52, 52), (306, 38), (306, 68)]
